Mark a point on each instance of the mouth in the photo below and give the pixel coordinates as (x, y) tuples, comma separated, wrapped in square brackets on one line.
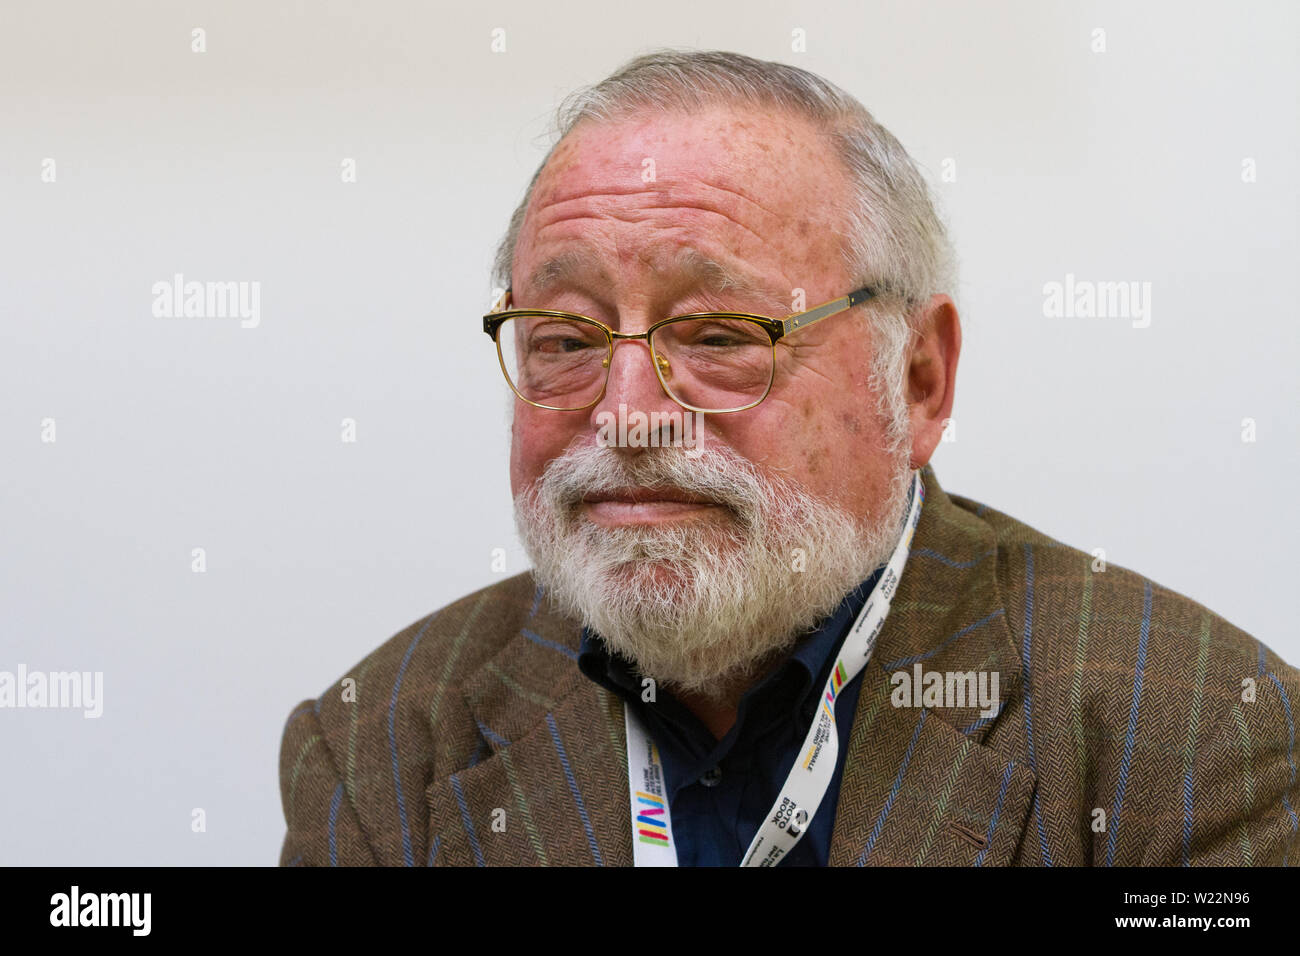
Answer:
[(629, 506)]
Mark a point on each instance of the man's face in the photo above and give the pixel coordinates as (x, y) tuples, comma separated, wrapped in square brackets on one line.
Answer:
[(762, 196), (701, 569)]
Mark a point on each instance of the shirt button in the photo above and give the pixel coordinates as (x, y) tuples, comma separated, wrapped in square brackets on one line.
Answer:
[(712, 778)]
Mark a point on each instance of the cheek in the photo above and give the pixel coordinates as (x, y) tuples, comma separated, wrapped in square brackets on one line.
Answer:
[(831, 442), (851, 422), (538, 436)]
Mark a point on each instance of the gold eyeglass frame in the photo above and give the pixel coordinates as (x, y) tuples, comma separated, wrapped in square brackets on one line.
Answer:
[(776, 329)]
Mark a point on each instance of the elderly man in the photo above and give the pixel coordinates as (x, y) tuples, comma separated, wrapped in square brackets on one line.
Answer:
[(758, 631)]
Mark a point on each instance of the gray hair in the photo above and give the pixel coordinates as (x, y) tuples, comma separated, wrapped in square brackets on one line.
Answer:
[(895, 240)]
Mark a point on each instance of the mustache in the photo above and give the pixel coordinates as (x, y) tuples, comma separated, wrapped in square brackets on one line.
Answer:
[(716, 476)]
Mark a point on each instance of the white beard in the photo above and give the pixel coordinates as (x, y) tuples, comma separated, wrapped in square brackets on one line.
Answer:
[(698, 607)]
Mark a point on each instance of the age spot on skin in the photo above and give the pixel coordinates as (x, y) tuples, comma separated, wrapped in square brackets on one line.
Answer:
[(813, 460)]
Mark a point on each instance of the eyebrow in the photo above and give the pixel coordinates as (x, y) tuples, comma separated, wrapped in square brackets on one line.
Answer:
[(686, 265)]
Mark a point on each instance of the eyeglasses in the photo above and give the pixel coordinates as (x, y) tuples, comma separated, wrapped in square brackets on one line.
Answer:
[(706, 362)]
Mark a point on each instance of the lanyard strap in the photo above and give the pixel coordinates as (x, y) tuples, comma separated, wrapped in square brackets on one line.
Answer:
[(809, 778)]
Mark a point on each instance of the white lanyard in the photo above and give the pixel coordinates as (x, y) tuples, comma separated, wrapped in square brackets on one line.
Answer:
[(787, 822)]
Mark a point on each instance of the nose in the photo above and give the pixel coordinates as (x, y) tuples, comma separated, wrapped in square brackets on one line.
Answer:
[(634, 385)]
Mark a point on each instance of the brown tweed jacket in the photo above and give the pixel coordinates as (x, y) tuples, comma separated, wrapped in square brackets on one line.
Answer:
[(1135, 728)]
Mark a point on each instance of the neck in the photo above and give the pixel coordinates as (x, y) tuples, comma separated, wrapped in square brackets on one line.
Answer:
[(718, 716), (718, 711)]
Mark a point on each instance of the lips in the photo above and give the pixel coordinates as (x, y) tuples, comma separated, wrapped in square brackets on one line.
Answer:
[(621, 507), (638, 496)]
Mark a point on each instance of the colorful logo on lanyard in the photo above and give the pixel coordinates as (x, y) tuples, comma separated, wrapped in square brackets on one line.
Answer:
[(650, 826), (838, 680)]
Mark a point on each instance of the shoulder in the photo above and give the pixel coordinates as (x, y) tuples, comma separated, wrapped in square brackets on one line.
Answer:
[(416, 673), (1141, 702), (1057, 595), (450, 643), (354, 762)]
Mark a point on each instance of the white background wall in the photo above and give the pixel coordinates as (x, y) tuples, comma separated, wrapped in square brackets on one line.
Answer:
[(177, 434)]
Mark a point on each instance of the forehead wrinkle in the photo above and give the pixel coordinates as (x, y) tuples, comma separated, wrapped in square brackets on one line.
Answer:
[(666, 192), (634, 205), (668, 189), (685, 266)]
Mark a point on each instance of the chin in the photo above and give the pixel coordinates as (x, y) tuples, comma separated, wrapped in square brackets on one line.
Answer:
[(663, 577)]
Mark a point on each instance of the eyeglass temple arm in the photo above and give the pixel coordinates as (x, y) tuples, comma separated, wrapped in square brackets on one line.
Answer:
[(802, 320), (834, 307), (490, 324)]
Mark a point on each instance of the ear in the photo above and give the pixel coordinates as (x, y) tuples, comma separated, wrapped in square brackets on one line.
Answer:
[(931, 376)]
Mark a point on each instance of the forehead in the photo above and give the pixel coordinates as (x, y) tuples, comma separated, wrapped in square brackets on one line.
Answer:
[(742, 177), (741, 148)]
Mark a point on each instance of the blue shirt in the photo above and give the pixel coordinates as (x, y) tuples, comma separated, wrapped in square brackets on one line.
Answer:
[(720, 791)]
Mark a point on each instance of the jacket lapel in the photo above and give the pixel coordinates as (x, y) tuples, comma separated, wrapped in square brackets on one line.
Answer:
[(553, 789), (920, 787)]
